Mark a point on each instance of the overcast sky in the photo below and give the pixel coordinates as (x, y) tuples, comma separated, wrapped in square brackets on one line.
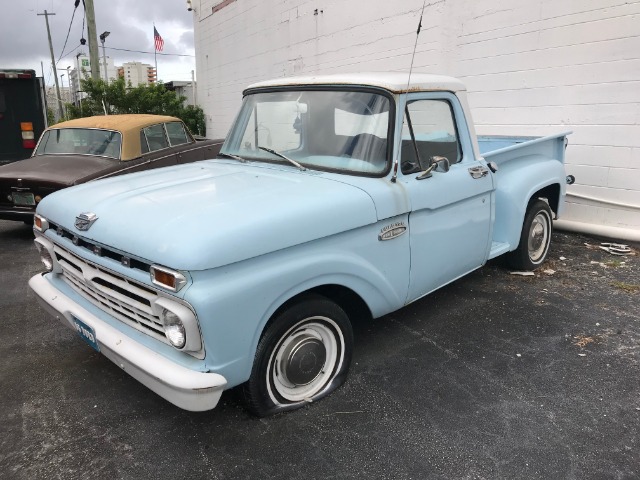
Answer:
[(23, 34)]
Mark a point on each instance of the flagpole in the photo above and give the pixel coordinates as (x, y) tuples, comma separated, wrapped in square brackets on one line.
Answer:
[(155, 50)]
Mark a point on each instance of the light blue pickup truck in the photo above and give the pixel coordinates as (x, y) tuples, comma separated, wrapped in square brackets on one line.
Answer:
[(332, 197)]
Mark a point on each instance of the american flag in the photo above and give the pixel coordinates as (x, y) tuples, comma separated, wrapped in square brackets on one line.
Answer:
[(158, 40)]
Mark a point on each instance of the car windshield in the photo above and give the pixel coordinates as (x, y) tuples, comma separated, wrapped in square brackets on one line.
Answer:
[(343, 131), (80, 141)]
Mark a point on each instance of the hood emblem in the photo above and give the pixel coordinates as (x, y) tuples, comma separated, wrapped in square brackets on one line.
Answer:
[(85, 220)]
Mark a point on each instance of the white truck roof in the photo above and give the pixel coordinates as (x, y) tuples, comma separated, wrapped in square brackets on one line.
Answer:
[(395, 82)]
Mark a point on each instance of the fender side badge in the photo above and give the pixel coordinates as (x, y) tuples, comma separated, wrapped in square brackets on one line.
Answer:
[(392, 231)]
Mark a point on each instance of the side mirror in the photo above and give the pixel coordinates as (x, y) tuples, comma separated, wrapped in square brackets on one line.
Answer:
[(442, 164), (437, 163)]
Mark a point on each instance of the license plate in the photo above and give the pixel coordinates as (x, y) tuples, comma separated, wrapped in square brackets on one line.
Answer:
[(25, 199), (87, 333)]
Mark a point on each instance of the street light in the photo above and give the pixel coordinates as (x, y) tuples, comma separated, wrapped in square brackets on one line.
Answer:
[(103, 37)]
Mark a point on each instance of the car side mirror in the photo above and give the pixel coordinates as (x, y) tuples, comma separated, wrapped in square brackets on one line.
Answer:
[(442, 164), (437, 163)]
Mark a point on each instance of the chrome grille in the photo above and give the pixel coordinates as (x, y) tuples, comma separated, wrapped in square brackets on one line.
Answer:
[(124, 299)]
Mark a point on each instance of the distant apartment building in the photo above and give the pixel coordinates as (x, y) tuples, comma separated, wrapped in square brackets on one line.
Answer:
[(137, 73), (185, 89)]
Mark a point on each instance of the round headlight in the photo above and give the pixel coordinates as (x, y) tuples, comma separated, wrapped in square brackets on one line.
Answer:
[(45, 257), (173, 328)]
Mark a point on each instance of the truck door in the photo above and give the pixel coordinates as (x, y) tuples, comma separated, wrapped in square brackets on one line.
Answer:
[(450, 216)]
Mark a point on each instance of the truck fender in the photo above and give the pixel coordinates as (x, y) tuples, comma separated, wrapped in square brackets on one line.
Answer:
[(244, 304), (516, 187)]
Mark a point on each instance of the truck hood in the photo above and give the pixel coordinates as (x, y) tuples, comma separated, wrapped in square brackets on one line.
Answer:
[(57, 170), (211, 213)]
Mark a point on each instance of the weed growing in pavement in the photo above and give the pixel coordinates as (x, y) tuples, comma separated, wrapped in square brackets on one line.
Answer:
[(627, 287)]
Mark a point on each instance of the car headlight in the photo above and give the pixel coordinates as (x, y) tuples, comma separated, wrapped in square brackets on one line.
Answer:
[(173, 328), (45, 256), (180, 325)]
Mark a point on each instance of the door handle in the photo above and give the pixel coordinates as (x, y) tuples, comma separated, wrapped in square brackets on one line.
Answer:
[(478, 172)]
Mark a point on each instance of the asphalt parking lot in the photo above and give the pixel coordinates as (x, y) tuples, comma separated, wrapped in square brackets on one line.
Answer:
[(494, 376)]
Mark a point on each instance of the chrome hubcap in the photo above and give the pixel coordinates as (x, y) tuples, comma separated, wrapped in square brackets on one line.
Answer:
[(303, 360), (538, 237)]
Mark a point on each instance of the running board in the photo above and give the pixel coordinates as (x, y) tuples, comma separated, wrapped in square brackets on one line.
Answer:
[(498, 248)]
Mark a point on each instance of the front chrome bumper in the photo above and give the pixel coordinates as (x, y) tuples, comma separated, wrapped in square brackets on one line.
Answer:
[(188, 389)]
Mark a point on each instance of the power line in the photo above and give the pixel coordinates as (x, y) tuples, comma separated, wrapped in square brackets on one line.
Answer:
[(69, 53), (150, 53), (68, 32)]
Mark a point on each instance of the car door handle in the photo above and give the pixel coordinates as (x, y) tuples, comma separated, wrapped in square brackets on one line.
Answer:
[(478, 172)]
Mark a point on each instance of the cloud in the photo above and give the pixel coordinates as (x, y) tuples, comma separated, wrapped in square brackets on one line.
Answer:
[(23, 33)]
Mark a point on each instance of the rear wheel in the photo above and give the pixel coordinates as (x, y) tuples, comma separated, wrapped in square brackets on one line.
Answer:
[(535, 238), (303, 356)]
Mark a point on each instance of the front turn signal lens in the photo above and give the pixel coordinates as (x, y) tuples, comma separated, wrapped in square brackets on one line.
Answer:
[(167, 278), (40, 223)]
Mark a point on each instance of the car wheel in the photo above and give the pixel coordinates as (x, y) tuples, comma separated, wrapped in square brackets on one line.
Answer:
[(303, 355), (535, 238)]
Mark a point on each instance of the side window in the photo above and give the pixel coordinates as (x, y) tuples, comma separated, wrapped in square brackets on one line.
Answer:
[(176, 133), (435, 134), (144, 146), (155, 137)]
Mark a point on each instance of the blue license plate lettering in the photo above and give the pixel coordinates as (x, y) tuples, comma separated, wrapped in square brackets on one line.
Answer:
[(87, 333)]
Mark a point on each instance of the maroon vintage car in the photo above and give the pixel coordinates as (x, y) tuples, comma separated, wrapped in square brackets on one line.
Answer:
[(89, 148)]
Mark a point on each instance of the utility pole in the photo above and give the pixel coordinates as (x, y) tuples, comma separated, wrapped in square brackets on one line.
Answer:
[(94, 55), (53, 63)]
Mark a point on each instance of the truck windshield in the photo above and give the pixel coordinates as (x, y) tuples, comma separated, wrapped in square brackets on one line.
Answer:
[(80, 141), (343, 131)]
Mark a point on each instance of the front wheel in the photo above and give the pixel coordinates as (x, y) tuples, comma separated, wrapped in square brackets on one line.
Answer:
[(535, 238), (303, 356)]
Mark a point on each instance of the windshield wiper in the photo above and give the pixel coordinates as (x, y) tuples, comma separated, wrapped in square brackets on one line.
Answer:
[(278, 154), (230, 155)]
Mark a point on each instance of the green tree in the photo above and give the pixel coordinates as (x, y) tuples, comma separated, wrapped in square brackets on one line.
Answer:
[(116, 97), (51, 118)]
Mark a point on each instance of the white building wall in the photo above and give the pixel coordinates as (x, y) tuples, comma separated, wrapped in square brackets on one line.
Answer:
[(532, 67), (82, 68)]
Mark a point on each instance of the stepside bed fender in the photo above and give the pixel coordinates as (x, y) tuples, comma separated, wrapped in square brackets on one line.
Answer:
[(518, 182)]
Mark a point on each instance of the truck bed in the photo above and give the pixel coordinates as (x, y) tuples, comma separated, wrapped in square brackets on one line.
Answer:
[(500, 149), (518, 158)]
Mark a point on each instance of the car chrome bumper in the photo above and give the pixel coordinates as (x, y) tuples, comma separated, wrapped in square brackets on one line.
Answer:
[(185, 388)]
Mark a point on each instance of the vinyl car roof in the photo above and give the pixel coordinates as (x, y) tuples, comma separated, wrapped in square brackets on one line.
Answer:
[(128, 124)]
